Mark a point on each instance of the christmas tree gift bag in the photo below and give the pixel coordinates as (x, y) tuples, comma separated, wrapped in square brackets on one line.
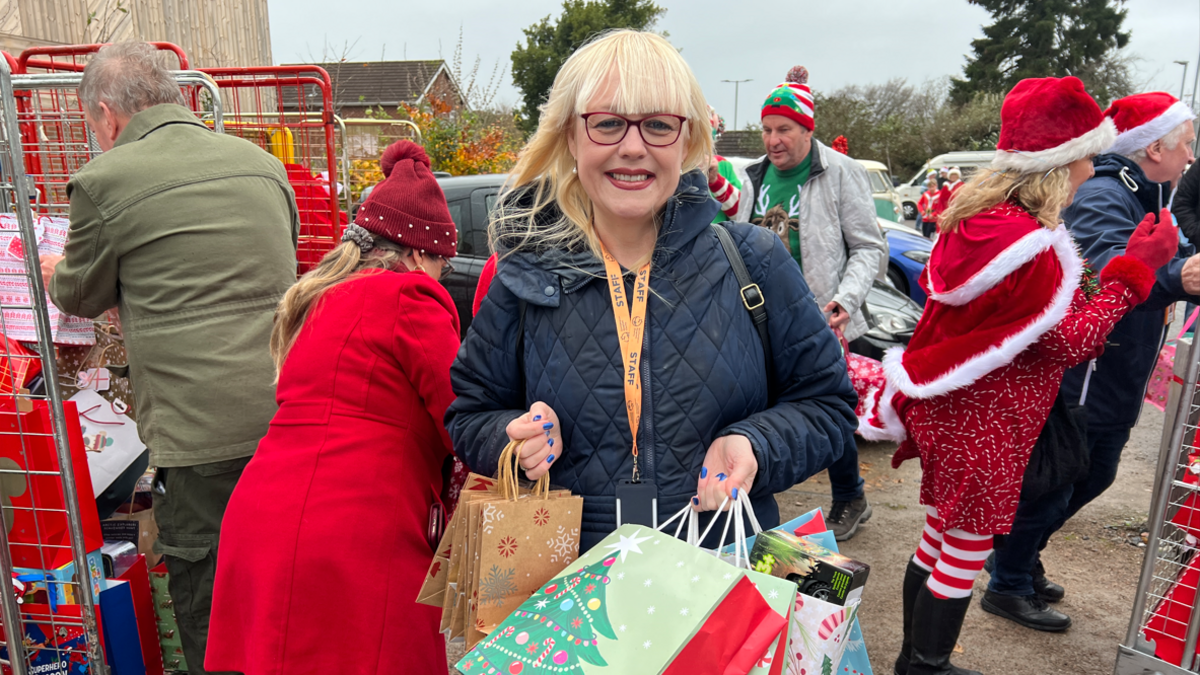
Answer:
[(627, 606), (523, 541)]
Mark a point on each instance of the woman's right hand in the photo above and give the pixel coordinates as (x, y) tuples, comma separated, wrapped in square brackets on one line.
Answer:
[(543, 439), (1154, 243)]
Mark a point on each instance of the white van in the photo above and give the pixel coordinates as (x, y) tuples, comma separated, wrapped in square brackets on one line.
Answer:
[(967, 162)]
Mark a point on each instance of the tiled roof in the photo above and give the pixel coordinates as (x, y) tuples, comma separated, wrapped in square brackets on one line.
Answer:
[(740, 144), (385, 83)]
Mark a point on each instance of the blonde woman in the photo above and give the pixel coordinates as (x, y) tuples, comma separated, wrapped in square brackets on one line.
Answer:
[(609, 224), (327, 531), (1010, 308)]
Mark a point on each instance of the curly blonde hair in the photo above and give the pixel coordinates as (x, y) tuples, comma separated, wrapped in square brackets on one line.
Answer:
[(650, 77), (1042, 195)]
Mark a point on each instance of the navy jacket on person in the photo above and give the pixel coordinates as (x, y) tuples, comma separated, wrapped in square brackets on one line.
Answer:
[(1106, 210), (703, 373)]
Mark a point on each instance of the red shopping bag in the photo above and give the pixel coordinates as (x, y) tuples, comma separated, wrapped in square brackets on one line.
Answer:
[(38, 534), (733, 638)]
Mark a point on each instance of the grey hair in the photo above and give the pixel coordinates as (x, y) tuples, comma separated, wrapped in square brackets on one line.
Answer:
[(128, 77), (1170, 142)]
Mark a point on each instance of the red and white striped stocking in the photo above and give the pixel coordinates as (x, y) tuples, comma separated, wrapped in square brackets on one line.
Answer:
[(954, 557)]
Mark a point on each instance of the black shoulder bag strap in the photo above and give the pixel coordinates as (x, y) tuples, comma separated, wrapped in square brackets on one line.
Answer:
[(752, 298)]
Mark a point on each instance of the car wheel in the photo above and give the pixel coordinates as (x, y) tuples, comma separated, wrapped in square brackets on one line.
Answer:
[(910, 211), (896, 278)]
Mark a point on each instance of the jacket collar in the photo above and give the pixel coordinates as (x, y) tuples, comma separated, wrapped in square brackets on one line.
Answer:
[(154, 117), (758, 169), (1131, 177), (541, 277)]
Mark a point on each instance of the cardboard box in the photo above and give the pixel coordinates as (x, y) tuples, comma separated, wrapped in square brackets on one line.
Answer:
[(61, 578), (818, 571)]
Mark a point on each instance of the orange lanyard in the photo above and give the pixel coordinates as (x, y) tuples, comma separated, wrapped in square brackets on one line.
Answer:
[(631, 323)]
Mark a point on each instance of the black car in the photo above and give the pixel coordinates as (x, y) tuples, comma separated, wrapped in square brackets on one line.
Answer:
[(891, 316)]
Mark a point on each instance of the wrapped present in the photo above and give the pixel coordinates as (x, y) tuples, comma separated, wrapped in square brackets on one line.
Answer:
[(55, 641), (138, 577), (169, 642), (122, 644), (19, 322)]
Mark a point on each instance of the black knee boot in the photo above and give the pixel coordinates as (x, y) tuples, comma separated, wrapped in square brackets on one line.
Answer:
[(935, 627), (914, 579)]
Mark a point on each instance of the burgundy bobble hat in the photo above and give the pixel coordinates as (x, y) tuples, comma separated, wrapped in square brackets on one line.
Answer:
[(408, 207)]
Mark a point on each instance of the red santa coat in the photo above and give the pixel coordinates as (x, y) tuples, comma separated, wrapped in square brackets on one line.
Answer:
[(946, 193), (971, 392), (928, 205), (323, 546)]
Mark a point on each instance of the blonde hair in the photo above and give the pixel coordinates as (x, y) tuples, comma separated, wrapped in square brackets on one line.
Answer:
[(337, 266), (1042, 195), (650, 77)]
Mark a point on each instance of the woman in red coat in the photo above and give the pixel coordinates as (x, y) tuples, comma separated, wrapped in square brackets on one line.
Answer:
[(1009, 310), (324, 545)]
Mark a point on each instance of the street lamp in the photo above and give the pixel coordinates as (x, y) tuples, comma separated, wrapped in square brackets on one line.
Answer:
[(1182, 79), (736, 84)]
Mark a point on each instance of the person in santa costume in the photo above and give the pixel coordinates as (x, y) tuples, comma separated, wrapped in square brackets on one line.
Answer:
[(927, 206), (1007, 313), (953, 184), (1133, 182)]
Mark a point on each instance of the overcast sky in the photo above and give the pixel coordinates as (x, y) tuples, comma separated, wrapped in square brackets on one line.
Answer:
[(841, 43)]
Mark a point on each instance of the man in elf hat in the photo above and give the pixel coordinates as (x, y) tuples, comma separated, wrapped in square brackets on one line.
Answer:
[(1133, 179), (830, 230)]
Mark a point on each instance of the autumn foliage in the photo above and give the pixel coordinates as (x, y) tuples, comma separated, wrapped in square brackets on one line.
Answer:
[(461, 141)]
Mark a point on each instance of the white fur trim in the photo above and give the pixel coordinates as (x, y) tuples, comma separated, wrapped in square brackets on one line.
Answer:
[(1137, 138), (967, 372), (1093, 142), (893, 429), (1010, 260)]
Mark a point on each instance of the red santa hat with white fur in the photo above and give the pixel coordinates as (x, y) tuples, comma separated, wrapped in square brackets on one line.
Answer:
[(1049, 122), (1142, 119)]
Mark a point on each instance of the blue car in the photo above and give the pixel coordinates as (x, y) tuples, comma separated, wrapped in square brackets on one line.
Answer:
[(909, 252)]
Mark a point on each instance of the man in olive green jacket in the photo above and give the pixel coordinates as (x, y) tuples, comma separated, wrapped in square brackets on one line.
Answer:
[(192, 235)]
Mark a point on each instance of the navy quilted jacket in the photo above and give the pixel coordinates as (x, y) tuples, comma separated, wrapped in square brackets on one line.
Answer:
[(702, 368)]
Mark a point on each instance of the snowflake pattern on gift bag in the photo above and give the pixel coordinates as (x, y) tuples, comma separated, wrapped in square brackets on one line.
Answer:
[(497, 585), (507, 547), (564, 545)]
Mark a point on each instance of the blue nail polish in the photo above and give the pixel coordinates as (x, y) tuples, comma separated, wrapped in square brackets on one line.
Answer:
[(552, 442), (696, 501), (735, 493), (548, 426), (550, 459), (720, 477), (536, 418), (704, 472)]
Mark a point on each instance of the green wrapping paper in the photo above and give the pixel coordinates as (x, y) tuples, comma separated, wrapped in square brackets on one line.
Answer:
[(628, 606)]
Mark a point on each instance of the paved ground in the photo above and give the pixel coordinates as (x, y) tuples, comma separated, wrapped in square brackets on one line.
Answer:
[(1093, 557)]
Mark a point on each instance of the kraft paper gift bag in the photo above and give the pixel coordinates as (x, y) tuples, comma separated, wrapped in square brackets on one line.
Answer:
[(437, 578), (523, 541)]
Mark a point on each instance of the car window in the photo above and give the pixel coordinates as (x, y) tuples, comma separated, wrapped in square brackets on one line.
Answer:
[(458, 211), (878, 182)]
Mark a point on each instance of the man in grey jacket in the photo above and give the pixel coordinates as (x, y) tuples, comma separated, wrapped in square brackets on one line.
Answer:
[(819, 203)]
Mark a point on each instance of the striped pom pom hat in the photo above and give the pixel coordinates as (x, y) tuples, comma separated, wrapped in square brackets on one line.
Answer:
[(792, 99)]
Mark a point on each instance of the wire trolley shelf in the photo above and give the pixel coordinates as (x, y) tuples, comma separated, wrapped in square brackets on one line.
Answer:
[(1163, 629)]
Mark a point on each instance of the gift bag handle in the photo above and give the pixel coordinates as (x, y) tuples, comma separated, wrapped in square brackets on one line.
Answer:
[(689, 517), (507, 474)]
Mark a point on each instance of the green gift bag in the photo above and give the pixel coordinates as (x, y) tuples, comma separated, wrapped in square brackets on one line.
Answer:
[(628, 606)]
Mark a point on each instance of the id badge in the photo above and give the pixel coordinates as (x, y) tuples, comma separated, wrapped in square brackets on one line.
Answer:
[(637, 503)]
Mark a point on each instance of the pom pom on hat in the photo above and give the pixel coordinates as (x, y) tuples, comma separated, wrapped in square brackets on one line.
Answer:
[(841, 145), (797, 75), (408, 207), (399, 151), (792, 99)]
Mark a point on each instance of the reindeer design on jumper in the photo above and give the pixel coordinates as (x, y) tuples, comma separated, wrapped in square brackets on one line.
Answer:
[(764, 201)]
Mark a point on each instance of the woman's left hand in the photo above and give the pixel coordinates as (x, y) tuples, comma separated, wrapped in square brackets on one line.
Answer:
[(728, 464)]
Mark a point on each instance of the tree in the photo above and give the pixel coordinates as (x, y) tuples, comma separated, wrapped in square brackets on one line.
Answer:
[(569, 615), (547, 45), (1048, 38)]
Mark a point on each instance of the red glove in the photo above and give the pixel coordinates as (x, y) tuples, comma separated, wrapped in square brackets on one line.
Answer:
[(1154, 243)]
